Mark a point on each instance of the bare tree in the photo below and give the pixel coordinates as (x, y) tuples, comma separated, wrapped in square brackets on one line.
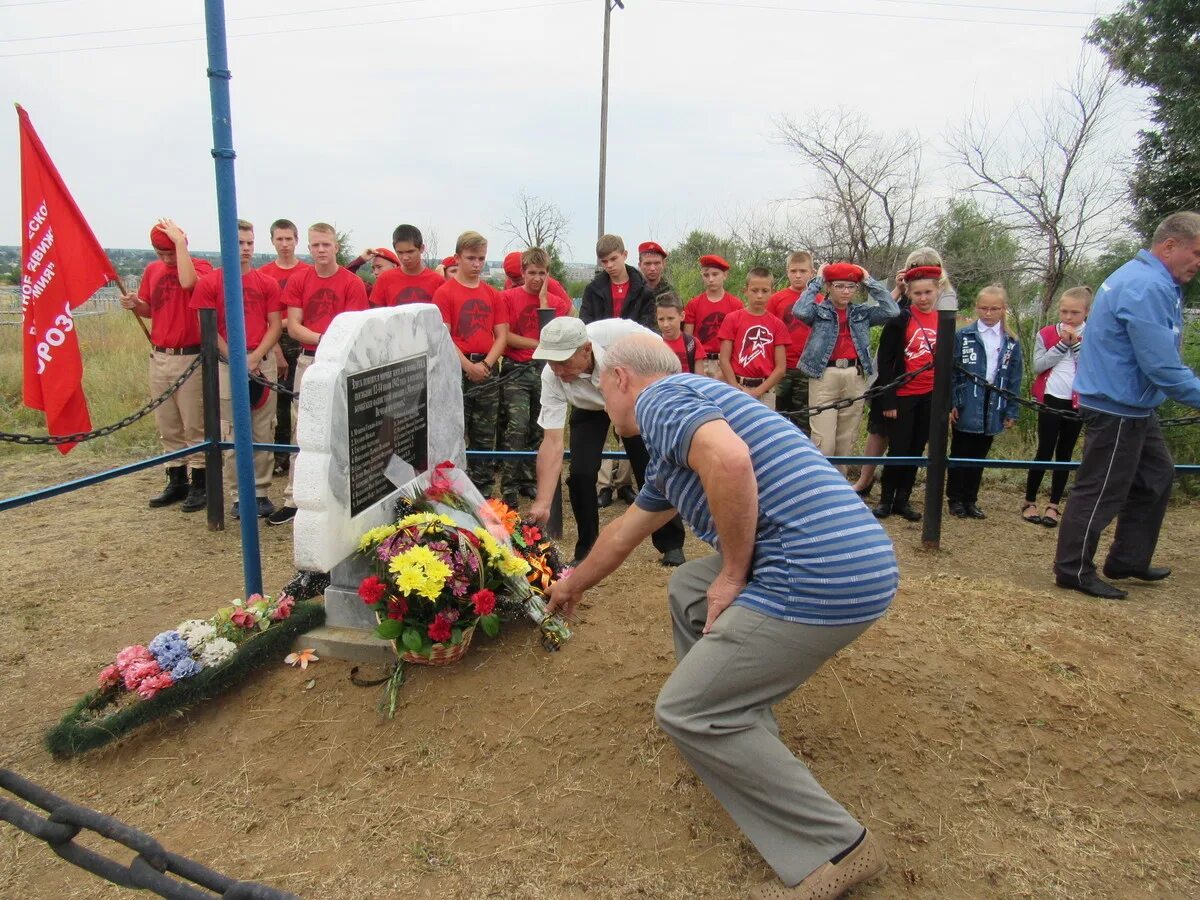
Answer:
[(866, 202), (432, 258), (538, 223), (1050, 175)]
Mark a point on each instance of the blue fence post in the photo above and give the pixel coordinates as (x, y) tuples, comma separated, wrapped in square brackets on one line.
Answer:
[(235, 326)]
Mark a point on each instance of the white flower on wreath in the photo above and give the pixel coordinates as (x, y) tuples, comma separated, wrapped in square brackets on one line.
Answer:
[(196, 632), (216, 651)]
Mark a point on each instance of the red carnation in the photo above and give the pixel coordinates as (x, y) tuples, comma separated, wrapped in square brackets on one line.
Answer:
[(397, 608), (439, 629), (485, 602), (371, 589)]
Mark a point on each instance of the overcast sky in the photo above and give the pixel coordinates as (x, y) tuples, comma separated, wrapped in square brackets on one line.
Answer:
[(438, 112)]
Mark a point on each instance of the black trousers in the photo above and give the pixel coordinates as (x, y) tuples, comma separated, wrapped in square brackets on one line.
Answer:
[(283, 410), (1056, 440), (1126, 474), (589, 431), (908, 434), (962, 484)]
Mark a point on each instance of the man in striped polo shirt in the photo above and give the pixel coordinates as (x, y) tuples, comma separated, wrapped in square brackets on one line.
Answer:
[(802, 569)]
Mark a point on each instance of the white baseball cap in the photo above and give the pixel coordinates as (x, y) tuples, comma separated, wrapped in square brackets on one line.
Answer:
[(560, 339)]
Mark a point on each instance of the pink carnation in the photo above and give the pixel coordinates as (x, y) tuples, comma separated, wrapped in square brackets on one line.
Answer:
[(243, 618), (139, 671), (130, 655), (110, 677), (283, 609), (155, 683)]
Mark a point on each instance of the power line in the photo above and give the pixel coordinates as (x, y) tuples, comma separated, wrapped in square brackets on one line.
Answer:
[(196, 40), (874, 15), (969, 7)]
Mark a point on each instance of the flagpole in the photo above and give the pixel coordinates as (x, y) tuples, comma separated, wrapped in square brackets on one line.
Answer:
[(142, 322), (235, 323)]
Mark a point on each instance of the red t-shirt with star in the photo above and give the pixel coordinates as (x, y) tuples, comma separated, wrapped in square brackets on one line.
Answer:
[(680, 350), (172, 323), (281, 276), (395, 287), (260, 296), (619, 293), (522, 310), (780, 305), (471, 314), (555, 287), (321, 299), (754, 339), (705, 316), (920, 340), (843, 347)]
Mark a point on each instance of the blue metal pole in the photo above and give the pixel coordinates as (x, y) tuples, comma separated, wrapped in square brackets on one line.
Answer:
[(223, 155)]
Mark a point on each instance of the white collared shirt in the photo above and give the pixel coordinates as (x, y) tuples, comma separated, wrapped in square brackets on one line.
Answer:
[(584, 391), (992, 337)]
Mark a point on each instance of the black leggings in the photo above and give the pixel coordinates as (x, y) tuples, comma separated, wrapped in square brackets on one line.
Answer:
[(908, 434), (1056, 440)]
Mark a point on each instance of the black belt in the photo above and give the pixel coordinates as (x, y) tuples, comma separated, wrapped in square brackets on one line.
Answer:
[(749, 382), (189, 350), (308, 352), (476, 357), (842, 363), (712, 356)]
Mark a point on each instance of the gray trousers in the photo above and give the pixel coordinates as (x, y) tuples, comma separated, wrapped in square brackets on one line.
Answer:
[(716, 707), (1125, 474)]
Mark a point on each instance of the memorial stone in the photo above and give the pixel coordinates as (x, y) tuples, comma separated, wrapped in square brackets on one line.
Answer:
[(365, 427)]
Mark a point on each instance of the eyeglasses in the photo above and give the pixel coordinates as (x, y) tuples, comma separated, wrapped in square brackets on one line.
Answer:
[(845, 285)]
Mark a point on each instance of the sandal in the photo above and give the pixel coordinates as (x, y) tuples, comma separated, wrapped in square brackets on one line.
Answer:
[(1048, 520), (1035, 519)]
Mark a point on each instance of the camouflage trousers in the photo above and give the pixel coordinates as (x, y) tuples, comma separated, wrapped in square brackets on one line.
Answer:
[(520, 405), (481, 408), (791, 394)]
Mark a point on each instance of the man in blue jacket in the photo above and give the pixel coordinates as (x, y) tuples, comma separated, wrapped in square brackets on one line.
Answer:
[(1129, 364)]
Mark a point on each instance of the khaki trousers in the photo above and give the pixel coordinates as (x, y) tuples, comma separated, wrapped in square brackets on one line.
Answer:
[(615, 473), (180, 419), (262, 422), (709, 367), (302, 365), (836, 430), (716, 707)]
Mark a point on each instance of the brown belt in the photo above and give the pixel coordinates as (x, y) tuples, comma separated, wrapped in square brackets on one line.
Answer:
[(190, 350)]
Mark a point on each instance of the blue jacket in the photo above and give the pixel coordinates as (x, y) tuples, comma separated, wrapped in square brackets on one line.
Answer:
[(981, 410), (1130, 361), (822, 317)]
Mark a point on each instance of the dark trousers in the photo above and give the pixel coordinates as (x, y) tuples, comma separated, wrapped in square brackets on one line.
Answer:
[(1056, 440), (791, 399), (962, 484), (283, 410), (589, 431), (907, 435), (1126, 474), (481, 408)]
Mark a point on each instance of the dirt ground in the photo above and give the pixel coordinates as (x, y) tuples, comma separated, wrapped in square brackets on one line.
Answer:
[(1002, 737)]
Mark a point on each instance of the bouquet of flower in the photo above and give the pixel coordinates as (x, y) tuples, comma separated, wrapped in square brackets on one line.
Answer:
[(194, 660)]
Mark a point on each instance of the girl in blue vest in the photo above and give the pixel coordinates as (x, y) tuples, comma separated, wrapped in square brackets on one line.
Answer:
[(988, 351)]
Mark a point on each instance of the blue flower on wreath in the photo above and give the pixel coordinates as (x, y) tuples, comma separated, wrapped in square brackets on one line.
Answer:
[(186, 668), (169, 649)]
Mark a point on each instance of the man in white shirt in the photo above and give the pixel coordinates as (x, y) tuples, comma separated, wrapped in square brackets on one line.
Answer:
[(574, 353)]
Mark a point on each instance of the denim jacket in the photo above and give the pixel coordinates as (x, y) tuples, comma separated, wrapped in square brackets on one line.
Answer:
[(981, 410), (823, 319)]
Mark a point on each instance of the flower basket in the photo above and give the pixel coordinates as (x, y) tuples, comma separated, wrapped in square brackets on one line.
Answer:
[(442, 654)]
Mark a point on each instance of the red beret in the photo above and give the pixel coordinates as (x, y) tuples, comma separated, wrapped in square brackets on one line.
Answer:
[(917, 273), (652, 247), (388, 255), (843, 271), (512, 264), (449, 262), (159, 239), (716, 262)]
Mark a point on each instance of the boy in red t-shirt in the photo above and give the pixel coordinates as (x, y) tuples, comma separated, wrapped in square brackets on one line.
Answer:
[(411, 282), (314, 298), (478, 321), (284, 236), (670, 325), (791, 397), (754, 343), (705, 313), (528, 306), (261, 306), (163, 298)]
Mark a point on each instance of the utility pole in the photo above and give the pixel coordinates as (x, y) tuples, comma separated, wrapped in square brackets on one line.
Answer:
[(608, 8)]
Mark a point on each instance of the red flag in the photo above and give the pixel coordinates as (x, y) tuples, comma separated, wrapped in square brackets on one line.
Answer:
[(62, 265)]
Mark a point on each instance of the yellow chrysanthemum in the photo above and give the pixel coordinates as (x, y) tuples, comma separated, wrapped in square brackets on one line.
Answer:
[(420, 571), (377, 536), (513, 565), (426, 520)]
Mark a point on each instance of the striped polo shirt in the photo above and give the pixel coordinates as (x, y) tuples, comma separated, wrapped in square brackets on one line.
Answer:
[(820, 556)]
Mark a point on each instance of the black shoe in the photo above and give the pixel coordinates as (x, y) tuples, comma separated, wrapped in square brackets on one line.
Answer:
[(265, 507), (673, 557), (282, 464), (627, 495), (176, 489), (196, 498), (958, 509), (883, 509), (1150, 573), (282, 516), (1092, 586), (235, 513), (974, 512), (905, 511), (604, 498), (527, 491), (306, 585), (866, 492)]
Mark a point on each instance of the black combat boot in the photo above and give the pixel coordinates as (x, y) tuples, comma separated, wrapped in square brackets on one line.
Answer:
[(197, 497), (175, 490)]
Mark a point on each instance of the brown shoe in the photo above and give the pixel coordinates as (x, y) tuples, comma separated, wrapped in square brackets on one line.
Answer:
[(831, 879)]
